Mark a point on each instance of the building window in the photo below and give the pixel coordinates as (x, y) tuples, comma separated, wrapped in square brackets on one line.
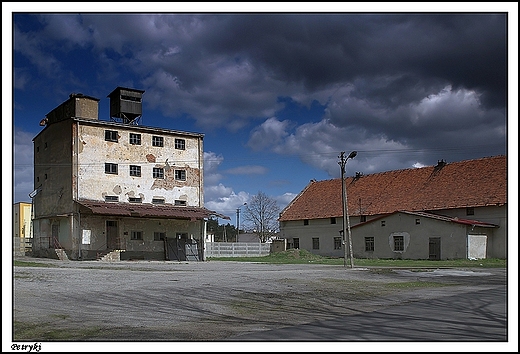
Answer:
[(111, 135), (180, 202), (157, 141), (37, 179), (158, 172), (315, 243), (157, 200), (470, 211), (417, 221), (369, 244), (135, 139), (363, 218), (136, 235), (111, 168), (135, 200), (337, 243), (159, 236), (111, 198), (296, 242), (332, 220), (135, 171), (37, 149), (398, 243), (383, 223), (306, 222), (45, 176), (180, 144), (180, 175)]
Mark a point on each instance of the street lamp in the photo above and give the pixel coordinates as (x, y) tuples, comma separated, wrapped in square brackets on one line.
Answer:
[(346, 221), (238, 219)]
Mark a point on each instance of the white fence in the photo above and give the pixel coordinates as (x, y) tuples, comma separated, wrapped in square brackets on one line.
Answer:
[(237, 249)]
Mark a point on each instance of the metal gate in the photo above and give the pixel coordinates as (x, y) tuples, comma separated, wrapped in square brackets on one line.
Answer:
[(180, 249)]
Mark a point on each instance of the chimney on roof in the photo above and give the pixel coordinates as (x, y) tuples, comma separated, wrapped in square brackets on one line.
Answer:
[(359, 175), (440, 164)]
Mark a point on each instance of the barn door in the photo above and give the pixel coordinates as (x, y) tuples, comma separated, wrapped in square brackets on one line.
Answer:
[(435, 248)]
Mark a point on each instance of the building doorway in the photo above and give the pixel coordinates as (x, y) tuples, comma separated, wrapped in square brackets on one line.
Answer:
[(435, 248), (112, 235)]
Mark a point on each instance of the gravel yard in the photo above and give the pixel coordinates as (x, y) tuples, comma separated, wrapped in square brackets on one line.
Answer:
[(210, 301)]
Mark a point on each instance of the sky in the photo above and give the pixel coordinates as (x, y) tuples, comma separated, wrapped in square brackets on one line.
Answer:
[(277, 95)]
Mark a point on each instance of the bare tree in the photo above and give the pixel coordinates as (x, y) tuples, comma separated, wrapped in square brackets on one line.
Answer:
[(262, 213)]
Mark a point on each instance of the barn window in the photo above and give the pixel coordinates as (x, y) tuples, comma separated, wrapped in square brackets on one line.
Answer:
[(332, 220), (180, 144), (111, 168), (158, 172), (111, 135), (135, 139), (136, 235), (470, 211), (315, 243), (306, 222), (180, 175), (369, 244), (135, 171), (159, 236), (337, 243), (157, 141), (398, 243)]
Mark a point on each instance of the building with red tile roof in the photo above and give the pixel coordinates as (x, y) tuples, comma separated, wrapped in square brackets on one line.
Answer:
[(471, 190)]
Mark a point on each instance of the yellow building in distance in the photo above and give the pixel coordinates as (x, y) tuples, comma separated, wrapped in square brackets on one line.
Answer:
[(22, 230)]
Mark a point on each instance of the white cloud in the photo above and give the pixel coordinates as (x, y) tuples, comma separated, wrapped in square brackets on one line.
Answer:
[(268, 134)]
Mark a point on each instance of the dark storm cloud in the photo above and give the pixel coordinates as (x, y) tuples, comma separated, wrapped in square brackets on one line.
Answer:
[(403, 89)]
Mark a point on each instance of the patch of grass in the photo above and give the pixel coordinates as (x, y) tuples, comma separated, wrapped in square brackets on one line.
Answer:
[(49, 331), (32, 264), (415, 284), (295, 256)]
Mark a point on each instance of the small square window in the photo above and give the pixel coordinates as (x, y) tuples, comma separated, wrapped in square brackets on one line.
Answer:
[(135, 200), (417, 221), (180, 202), (157, 200), (306, 222), (383, 223), (157, 141), (180, 144), (136, 235), (135, 171), (158, 172), (363, 218), (180, 175), (111, 198), (332, 220), (135, 139), (470, 211), (111, 168), (369, 244), (315, 243), (111, 135)]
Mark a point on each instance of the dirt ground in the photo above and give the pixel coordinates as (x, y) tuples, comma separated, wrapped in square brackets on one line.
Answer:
[(210, 301)]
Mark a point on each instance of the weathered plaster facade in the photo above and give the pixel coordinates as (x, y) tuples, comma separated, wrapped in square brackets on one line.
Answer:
[(107, 185)]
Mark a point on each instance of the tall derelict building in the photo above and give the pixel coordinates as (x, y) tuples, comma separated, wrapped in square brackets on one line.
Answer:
[(116, 187)]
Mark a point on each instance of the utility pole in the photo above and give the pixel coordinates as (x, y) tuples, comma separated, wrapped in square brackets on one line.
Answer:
[(238, 223), (346, 221)]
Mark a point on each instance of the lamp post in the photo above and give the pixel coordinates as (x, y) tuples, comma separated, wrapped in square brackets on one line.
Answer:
[(238, 220), (346, 221)]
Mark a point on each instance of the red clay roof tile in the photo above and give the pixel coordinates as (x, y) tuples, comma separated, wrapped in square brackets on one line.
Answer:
[(471, 183)]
